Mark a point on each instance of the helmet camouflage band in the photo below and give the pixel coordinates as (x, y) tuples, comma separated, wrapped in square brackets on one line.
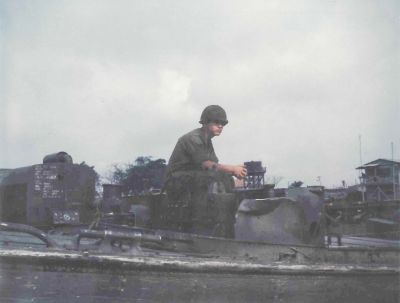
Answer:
[(213, 113)]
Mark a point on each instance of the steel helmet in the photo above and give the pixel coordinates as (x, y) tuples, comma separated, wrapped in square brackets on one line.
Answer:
[(213, 113)]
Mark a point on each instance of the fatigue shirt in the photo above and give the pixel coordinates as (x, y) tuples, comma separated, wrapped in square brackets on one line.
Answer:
[(190, 152)]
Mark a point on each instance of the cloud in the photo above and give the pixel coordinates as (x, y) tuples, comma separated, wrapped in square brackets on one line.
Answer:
[(108, 82)]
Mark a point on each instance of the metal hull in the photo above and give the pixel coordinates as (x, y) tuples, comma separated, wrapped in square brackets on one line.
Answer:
[(191, 268), (64, 261), (128, 280)]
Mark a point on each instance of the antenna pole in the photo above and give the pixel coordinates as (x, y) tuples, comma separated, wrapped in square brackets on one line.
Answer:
[(359, 139), (363, 185), (393, 171)]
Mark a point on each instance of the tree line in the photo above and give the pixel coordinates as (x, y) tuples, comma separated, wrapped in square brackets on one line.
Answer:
[(141, 176)]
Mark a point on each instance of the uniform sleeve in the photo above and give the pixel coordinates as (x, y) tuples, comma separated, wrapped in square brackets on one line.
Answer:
[(198, 152)]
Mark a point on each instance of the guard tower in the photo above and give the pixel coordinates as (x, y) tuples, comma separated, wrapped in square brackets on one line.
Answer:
[(255, 175), (381, 180)]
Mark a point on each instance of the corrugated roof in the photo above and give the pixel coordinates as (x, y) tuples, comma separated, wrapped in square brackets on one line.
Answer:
[(379, 162), (368, 165)]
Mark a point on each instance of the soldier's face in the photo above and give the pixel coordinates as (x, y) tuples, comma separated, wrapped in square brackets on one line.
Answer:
[(215, 128)]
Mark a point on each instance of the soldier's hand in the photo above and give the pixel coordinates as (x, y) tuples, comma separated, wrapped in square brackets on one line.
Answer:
[(240, 171)]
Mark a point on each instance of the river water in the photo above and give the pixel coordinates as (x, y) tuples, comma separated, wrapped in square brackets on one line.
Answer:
[(24, 284)]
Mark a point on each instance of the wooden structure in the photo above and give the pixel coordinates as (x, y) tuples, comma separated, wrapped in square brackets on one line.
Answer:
[(380, 180)]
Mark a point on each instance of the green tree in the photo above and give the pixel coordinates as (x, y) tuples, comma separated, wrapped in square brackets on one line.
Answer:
[(141, 175), (296, 184)]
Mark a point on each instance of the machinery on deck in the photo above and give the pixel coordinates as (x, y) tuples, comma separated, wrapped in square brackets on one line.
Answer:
[(56, 192)]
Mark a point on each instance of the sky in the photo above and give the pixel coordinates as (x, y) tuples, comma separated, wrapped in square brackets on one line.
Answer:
[(310, 87)]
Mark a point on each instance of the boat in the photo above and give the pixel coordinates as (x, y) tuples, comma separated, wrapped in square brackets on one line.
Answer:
[(266, 249), (111, 261)]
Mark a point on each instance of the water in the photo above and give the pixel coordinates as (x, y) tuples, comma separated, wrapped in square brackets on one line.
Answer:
[(26, 284)]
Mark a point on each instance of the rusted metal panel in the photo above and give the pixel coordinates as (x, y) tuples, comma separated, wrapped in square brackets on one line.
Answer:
[(45, 188), (41, 283)]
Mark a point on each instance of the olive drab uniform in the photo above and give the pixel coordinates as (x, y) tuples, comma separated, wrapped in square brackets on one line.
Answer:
[(197, 200), (190, 152)]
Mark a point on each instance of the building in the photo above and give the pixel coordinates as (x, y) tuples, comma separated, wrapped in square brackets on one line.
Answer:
[(380, 180), (348, 194)]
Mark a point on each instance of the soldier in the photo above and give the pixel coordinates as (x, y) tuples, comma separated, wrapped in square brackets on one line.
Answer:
[(194, 174), (194, 151)]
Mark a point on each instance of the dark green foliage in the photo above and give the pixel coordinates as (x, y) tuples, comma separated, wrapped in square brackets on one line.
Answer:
[(140, 176), (296, 184)]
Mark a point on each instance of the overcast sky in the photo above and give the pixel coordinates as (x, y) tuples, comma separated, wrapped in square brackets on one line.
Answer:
[(108, 81)]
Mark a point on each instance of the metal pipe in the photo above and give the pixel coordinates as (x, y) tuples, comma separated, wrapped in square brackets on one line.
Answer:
[(29, 230), (115, 235)]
